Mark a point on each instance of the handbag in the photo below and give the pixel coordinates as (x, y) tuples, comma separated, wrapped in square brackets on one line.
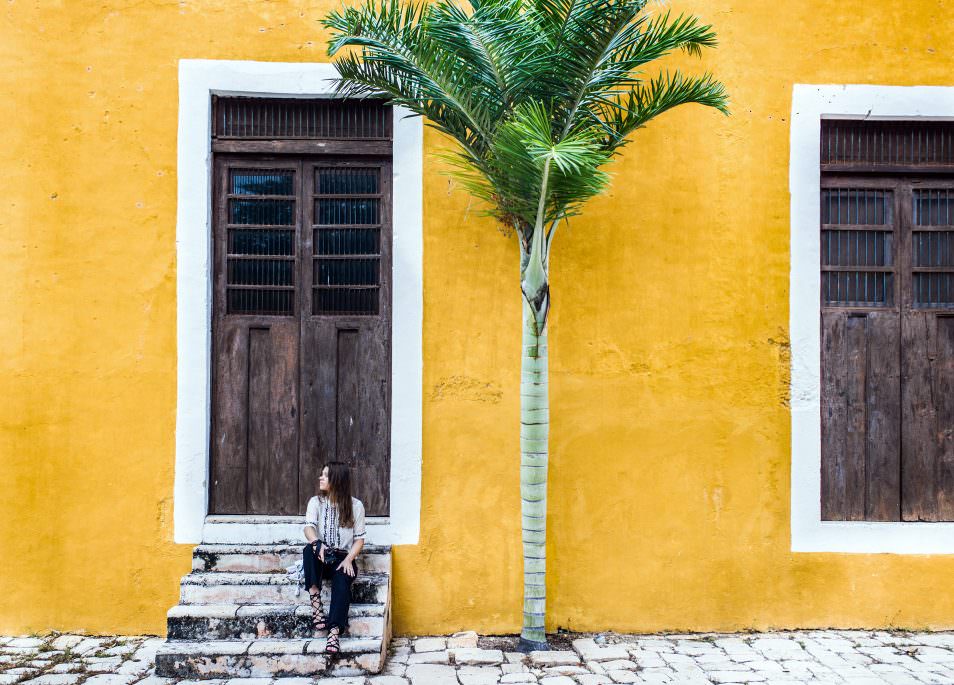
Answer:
[(334, 556)]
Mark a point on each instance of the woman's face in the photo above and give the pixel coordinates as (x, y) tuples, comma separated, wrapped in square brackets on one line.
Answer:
[(323, 480)]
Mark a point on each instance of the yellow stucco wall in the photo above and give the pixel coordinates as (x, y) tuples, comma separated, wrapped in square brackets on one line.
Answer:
[(668, 341)]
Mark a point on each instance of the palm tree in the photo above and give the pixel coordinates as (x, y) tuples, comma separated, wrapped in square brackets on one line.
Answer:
[(539, 95)]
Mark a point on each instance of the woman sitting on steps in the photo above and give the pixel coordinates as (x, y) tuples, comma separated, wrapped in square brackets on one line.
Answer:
[(334, 528)]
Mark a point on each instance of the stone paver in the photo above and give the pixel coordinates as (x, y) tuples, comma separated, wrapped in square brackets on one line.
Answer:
[(827, 657), (383, 680), (565, 670), (593, 679), (557, 680), (478, 675), (432, 674), (508, 678), (590, 651), (55, 679), (477, 656), (464, 640), (430, 644), (554, 658), (441, 657), (110, 679)]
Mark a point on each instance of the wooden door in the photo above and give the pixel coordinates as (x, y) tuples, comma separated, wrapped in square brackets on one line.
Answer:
[(927, 353), (301, 330), (255, 347), (860, 330), (346, 325), (887, 252)]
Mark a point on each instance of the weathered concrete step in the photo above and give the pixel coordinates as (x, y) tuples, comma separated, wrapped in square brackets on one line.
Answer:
[(264, 658), (271, 588), (276, 558), (263, 621)]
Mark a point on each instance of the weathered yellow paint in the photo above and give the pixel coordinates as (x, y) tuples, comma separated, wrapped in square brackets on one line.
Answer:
[(670, 437)]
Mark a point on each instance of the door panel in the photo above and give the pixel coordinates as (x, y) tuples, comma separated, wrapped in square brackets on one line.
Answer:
[(927, 355), (860, 329), (860, 427), (346, 327), (944, 403), (273, 419), (882, 418), (843, 463), (228, 489), (255, 338)]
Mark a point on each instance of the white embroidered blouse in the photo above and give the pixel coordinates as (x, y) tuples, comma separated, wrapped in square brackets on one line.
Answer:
[(323, 516)]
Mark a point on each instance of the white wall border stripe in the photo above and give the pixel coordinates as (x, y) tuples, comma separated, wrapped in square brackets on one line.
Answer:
[(811, 104), (198, 81)]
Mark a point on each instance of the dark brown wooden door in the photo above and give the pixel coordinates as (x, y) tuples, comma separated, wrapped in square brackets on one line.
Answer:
[(301, 330), (346, 327), (927, 353), (887, 352), (860, 328)]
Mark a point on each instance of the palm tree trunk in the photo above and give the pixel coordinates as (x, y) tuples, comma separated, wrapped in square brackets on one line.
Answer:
[(534, 426), (534, 435)]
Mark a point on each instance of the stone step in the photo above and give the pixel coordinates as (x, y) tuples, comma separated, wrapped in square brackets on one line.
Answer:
[(263, 621), (276, 558), (272, 588), (268, 658), (240, 616)]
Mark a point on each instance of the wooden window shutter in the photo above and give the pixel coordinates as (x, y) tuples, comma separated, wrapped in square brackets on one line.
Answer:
[(887, 146), (301, 126)]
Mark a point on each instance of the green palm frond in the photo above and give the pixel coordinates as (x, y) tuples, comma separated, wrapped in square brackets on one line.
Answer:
[(520, 83), (402, 59), (503, 50), (645, 101)]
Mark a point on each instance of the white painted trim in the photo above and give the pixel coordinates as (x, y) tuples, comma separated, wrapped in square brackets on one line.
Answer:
[(811, 104), (198, 81)]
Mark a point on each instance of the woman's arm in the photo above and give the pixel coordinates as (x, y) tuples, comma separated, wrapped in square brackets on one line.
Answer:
[(347, 565), (355, 549), (310, 528)]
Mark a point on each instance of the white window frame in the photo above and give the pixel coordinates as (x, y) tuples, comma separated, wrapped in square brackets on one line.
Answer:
[(811, 104), (199, 80)]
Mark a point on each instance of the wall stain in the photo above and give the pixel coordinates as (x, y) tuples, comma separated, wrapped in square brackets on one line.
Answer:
[(466, 388), (783, 347)]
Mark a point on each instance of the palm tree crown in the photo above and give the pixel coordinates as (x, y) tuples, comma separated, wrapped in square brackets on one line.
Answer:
[(519, 82)]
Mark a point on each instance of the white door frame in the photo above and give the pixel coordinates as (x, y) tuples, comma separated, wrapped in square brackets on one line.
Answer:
[(811, 104), (199, 80)]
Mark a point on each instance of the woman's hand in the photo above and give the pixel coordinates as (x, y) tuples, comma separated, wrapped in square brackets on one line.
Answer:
[(321, 554), (347, 566)]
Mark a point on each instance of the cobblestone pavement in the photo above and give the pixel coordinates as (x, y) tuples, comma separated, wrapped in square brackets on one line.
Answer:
[(779, 658)]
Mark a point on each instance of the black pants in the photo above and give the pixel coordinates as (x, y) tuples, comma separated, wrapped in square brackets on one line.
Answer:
[(316, 571)]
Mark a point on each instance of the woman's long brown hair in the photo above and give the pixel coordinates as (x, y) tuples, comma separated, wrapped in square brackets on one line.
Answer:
[(339, 491)]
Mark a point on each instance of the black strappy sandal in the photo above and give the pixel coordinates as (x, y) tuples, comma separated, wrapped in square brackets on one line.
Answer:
[(333, 645), (318, 619)]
